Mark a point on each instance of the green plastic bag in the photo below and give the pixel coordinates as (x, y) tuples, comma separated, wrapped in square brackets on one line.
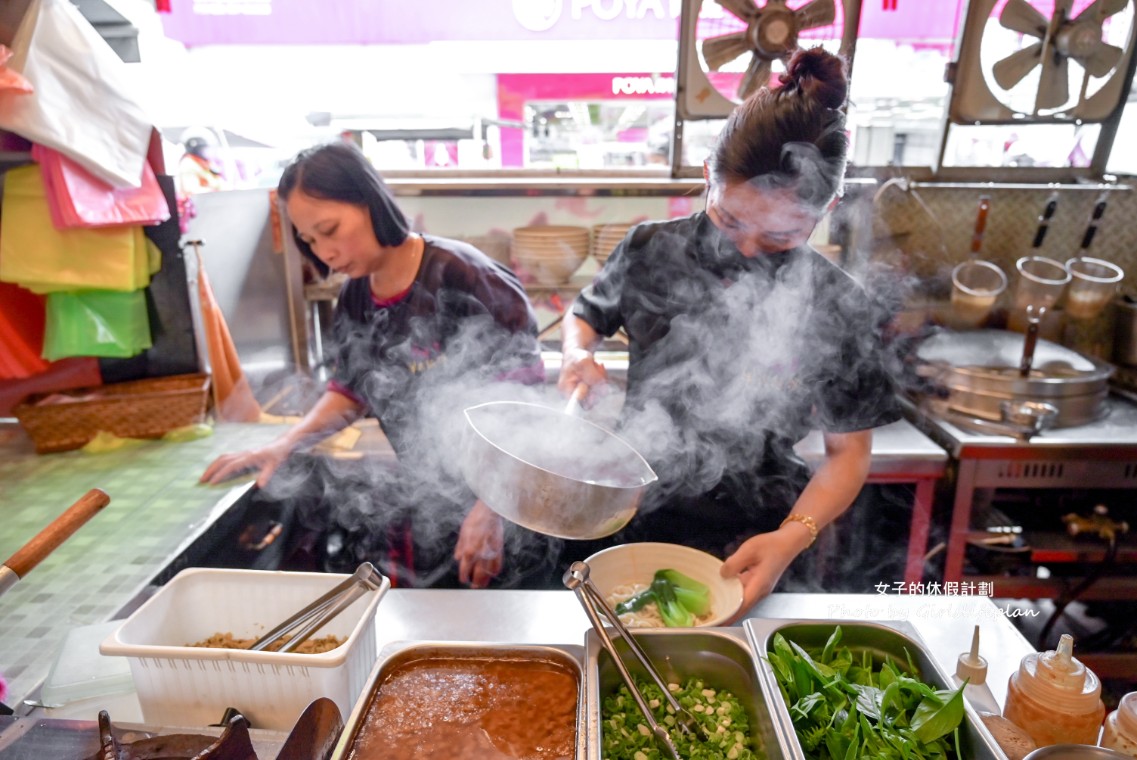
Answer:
[(100, 323)]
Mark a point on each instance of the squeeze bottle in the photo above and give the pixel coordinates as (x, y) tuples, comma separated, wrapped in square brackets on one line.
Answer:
[(1121, 726), (972, 668), (1055, 698)]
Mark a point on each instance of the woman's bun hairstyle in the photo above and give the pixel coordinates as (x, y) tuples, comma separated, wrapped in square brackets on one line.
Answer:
[(793, 135), (818, 75)]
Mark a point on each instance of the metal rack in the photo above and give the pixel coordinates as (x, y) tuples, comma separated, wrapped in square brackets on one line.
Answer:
[(1099, 455)]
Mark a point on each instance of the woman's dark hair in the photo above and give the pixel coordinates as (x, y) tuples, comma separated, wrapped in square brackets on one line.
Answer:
[(792, 136), (339, 171)]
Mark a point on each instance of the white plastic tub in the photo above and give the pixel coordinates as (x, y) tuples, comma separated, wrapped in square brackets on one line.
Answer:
[(181, 685)]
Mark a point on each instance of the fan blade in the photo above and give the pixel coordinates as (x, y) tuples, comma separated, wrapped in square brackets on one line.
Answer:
[(1054, 83), (816, 13), (741, 9), (1022, 17), (1100, 10), (1102, 60), (1011, 70), (757, 75), (719, 51)]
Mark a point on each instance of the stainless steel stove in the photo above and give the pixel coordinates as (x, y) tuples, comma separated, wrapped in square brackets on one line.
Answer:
[(1098, 455)]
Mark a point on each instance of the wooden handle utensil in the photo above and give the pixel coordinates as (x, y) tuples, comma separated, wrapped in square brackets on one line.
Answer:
[(48, 540)]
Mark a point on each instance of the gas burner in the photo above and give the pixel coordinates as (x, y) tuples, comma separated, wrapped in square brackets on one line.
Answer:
[(233, 744)]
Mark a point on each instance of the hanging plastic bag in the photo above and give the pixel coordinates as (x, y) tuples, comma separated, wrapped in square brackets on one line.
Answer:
[(96, 323), (21, 333), (82, 104), (77, 198), (37, 256), (10, 79)]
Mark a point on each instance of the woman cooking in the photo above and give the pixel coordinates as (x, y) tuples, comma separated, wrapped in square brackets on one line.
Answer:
[(423, 327), (742, 339)]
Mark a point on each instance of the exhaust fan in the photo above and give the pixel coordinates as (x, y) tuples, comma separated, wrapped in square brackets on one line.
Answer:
[(1034, 61), (728, 49)]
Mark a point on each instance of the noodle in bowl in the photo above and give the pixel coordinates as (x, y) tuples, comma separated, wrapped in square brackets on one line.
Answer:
[(621, 572), (647, 616)]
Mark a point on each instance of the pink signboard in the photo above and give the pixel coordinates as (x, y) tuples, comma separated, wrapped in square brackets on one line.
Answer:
[(379, 22), (515, 90)]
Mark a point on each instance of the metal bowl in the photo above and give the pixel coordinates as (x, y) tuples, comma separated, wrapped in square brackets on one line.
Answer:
[(552, 472)]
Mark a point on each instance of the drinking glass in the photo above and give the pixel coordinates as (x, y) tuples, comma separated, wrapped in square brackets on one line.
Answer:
[(1041, 282), (1093, 284), (976, 285)]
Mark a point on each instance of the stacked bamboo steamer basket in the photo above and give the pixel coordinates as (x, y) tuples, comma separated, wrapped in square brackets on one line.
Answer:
[(549, 254), (605, 237)]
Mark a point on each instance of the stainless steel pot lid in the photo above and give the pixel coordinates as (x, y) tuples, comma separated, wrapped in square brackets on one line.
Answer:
[(987, 361), (1002, 349)]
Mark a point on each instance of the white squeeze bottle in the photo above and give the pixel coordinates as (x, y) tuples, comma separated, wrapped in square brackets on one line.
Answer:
[(1120, 731), (973, 668)]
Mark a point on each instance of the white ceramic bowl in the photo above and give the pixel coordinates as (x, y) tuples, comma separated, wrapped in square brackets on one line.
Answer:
[(637, 563)]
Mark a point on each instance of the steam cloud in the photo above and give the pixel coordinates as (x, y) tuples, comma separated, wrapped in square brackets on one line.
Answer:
[(740, 363)]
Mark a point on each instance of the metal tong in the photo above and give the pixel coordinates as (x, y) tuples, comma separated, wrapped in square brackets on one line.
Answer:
[(576, 580), (313, 617)]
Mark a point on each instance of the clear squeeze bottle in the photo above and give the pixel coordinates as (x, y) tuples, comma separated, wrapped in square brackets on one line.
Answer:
[(1055, 698), (972, 668), (1121, 726)]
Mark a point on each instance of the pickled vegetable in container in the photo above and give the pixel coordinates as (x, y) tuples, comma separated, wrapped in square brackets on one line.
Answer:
[(1055, 698), (1121, 726)]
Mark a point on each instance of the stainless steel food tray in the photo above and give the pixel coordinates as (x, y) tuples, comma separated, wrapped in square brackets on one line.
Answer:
[(720, 655), (396, 654), (887, 639)]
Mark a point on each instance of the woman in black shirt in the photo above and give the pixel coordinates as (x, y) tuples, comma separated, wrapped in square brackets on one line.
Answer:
[(742, 339), (424, 327)]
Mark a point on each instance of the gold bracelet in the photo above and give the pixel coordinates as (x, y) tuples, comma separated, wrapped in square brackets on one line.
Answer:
[(807, 521)]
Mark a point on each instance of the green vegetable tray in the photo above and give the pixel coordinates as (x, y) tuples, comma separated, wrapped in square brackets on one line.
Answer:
[(719, 657), (893, 640)]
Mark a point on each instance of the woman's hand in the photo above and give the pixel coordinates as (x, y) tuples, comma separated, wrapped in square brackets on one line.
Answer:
[(264, 460), (760, 562), (579, 365), (479, 546)]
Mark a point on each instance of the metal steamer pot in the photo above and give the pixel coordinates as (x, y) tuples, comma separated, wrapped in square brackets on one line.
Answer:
[(978, 374)]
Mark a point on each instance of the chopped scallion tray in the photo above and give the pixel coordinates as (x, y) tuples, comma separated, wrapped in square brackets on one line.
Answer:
[(626, 735)]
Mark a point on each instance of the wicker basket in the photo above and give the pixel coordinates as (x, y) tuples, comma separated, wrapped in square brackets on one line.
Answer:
[(137, 409)]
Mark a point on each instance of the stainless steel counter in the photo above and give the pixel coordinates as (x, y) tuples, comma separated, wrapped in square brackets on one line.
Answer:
[(1113, 436), (899, 450), (554, 617), (944, 623)]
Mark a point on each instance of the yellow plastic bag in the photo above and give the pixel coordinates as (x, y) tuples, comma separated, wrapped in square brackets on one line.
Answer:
[(37, 256), (188, 433), (104, 442)]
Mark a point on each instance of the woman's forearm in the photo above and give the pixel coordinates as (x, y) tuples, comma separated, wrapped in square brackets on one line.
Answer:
[(331, 413), (576, 333), (834, 485)]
